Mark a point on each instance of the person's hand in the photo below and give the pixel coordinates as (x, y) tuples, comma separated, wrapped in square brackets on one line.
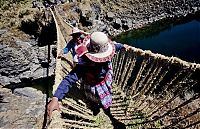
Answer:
[(127, 47), (53, 105), (60, 55)]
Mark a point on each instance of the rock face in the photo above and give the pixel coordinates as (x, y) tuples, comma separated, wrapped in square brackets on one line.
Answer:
[(22, 110), (20, 60), (122, 15)]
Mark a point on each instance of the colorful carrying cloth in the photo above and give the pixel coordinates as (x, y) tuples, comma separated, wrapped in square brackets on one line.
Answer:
[(101, 92)]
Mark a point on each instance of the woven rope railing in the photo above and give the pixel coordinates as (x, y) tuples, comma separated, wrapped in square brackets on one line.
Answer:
[(149, 90), (165, 90)]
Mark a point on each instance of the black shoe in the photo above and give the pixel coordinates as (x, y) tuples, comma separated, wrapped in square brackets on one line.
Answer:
[(95, 109), (118, 125)]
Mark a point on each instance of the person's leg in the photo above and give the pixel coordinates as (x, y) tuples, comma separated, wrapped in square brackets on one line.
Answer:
[(94, 107), (92, 101), (108, 113), (117, 124)]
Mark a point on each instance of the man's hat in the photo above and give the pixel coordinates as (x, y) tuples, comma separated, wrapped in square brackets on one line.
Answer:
[(75, 30), (97, 47)]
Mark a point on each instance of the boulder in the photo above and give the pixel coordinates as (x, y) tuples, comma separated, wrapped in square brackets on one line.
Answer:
[(117, 24), (110, 16), (22, 110)]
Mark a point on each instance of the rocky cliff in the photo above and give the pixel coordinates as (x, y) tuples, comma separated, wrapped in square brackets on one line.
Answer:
[(117, 16), (24, 60)]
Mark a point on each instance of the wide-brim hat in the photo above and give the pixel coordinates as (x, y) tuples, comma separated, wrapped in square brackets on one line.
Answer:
[(75, 30), (97, 47)]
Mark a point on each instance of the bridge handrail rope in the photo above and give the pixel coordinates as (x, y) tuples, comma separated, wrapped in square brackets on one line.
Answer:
[(151, 84)]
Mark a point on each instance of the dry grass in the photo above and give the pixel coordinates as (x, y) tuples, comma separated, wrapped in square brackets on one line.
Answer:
[(12, 13)]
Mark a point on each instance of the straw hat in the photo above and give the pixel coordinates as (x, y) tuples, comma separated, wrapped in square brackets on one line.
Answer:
[(75, 30), (97, 47)]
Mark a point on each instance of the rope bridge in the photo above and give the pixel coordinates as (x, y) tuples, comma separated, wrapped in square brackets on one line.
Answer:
[(149, 90)]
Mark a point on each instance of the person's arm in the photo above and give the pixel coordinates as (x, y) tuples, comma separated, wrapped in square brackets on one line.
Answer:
[(66, 84), (119, 46), (69, 46), (62, 89)]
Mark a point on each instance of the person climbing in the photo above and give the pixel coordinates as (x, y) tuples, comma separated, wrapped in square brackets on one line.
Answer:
[(94, 68), (77, 38)]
